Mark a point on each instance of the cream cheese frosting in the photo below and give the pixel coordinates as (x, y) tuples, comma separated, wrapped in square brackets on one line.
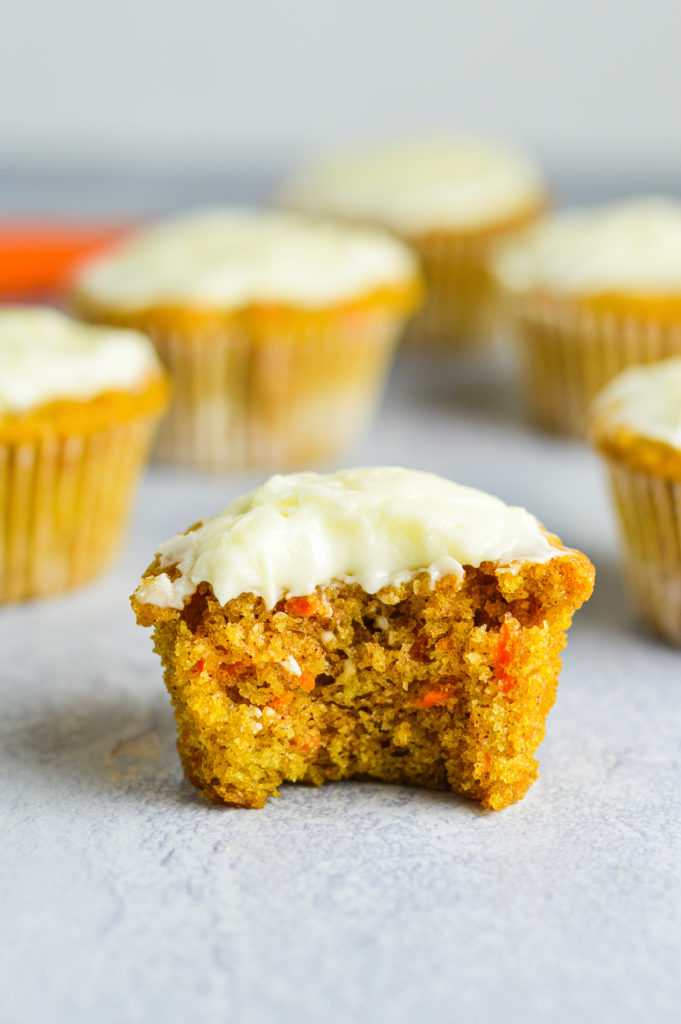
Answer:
[(46, 356), (232, 257), (632, 246), (375, 527), (422, 185), (645, 400)]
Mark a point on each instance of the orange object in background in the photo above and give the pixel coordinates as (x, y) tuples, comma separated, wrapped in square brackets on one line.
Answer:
[(36, 258)]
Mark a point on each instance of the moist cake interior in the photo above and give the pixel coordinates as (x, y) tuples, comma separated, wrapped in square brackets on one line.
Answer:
[(445, 685)]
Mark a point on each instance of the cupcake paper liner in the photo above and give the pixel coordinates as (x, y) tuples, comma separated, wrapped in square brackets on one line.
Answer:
[(64, 506), (462, 299), (281, 399), (649, 514), (569, 353)]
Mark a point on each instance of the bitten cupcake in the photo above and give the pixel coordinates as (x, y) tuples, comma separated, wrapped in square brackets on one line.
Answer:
[(78, 408), (374, 622), (590, 292), (277, 329), (637, 428), (451, 200)]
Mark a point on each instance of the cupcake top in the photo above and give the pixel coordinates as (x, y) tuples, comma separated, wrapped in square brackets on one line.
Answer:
[(376, 527), (627, 247), (643, 400), (46, 356), (421, 186), (232, 258)]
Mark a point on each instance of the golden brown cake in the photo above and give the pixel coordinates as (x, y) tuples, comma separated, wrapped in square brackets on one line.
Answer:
[(78, 409), (588, 293), (375, 623), (452, 200), (277, 329), (636, 426)]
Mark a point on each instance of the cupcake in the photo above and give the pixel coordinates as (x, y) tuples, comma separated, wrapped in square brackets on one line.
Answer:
[(277, 329), (78, 408), (451, 200), (636, 426), (590, 292), (373, 622)]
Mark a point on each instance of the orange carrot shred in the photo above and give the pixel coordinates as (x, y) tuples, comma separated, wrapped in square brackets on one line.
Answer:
[(282, 701), (506, 652), (302, 606), (435, 698), (306, 682), (234, 668)]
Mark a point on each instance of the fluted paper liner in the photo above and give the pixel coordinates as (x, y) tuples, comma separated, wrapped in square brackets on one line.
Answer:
[(462, 300), (459, 305), (649, 514), (279, 400), (568, 353), (65, 504)]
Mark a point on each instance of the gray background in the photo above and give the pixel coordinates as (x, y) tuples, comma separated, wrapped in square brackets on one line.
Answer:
[(591, 84)]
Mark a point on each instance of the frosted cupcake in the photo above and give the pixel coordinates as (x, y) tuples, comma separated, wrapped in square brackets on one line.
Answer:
[(637, 428), (590, 292), (277, 329), (78, 408), (374, 622), (451, 200)]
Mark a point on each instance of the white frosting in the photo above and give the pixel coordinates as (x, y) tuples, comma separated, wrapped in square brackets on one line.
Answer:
[(45, 356), (633, 246), (423, 185), (646, 400), (230, 258), (374, 527)]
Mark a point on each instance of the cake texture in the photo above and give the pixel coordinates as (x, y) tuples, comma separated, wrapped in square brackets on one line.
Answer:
[(636, 426), (452, 200), (377, 623), (589, 292), (277, 329), (78, 409)]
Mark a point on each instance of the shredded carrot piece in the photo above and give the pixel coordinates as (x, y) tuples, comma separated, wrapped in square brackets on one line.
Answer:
[(306, 682), (302, 606), (198, 667), (282, 701), (234, 668), (435, 698), (506, 653)]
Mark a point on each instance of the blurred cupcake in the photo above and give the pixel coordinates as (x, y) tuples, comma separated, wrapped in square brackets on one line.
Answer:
[(451, 200), (636, 426), (78, 408), (277, 329), (590, 292)]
